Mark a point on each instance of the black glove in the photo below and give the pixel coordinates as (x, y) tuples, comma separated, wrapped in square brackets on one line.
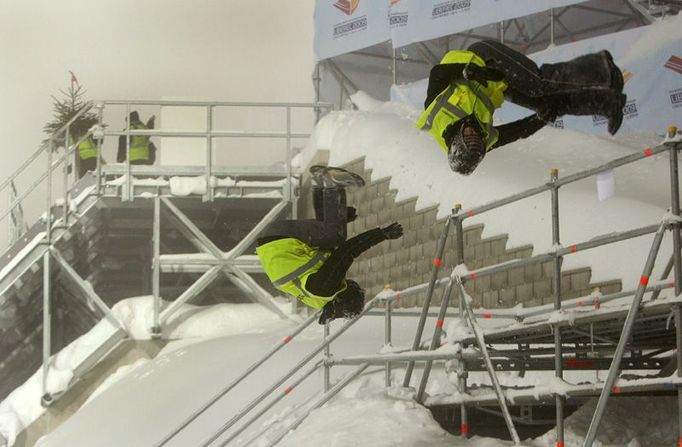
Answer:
[(351, 214), (393, 231), (482, 75)]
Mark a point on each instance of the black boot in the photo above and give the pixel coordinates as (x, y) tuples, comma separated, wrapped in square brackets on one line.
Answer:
[(594, 71), (608, 103)]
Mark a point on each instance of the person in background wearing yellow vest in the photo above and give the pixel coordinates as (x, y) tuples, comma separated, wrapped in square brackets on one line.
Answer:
[(309, 259), (142, 151), (467, 86), (86, 152), (87, 156)]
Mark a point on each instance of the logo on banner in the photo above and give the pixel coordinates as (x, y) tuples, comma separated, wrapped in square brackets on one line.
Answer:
[(674, 63), (349, 26), (347, 6), (629, 112), (676, 98), (396, 19), (445, 9), (630, 109)]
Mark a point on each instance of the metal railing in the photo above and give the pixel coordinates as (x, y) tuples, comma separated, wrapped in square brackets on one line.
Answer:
[(57, 215), (101, 131), (459, 277), (459, 216)]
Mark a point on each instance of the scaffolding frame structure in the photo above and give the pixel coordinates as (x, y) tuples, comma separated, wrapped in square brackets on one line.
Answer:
[(546, 338), (121, 184)]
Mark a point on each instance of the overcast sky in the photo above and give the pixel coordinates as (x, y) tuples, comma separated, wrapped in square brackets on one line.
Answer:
[(241, 50)]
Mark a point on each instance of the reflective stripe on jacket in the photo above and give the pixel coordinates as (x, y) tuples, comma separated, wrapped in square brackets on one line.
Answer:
[(87, 149), (463, 98), (139, 144), (288, 263)]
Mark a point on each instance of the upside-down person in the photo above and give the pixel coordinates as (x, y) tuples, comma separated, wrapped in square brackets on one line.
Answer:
[(467, 86), (309, 258)]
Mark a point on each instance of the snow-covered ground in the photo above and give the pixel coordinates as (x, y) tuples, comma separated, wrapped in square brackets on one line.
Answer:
[(141, 403)]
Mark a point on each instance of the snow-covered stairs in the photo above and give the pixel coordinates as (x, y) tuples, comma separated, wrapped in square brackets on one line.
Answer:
[(408, 260)]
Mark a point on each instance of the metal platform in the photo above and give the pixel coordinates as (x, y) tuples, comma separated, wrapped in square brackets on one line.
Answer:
[(111, 231)]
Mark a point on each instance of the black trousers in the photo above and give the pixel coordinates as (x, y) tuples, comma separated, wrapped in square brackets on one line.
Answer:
[(89, 164), (574, 87), (327, 232)]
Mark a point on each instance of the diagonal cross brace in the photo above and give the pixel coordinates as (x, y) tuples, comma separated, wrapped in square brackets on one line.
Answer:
[(480, 341), (84, 287), (226, 265)]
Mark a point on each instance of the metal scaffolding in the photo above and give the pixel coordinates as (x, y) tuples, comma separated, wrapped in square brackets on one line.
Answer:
[(600, 329), (40, 249)]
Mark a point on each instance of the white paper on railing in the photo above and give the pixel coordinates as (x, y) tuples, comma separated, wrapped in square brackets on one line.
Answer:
[(651, 60), (606, 185), (342, 26), (428, 19)]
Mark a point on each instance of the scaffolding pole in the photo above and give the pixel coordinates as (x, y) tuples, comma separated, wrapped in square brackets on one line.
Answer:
[(501, 399), (156, 273), (675, 209), (437, 261), (435, 341), (614, 370), (46, 399), (677, 310), (558, 355)]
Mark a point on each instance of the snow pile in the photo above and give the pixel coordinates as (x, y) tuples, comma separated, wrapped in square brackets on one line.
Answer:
[(366, 413), (22, 406), (136, 315), (628, 421), (385, 135)]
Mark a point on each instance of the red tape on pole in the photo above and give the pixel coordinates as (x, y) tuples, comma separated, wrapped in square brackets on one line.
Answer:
[(473, 276), (439, 323), (436, 262), (287, 340), (560, 444), (470, 213), (616, 390), (487, 315), (644, 280), (464, 428), (288, 389), (573, 249), (648, 152)]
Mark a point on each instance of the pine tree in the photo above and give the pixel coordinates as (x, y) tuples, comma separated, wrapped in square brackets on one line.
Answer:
[(65, 108)]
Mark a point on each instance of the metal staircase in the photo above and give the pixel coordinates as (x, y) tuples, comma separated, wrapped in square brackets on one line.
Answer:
[(111, 234)]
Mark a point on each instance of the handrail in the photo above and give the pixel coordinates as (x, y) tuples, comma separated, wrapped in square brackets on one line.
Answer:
[(251, 405), (43, 146), (465, 214), (255, 365)]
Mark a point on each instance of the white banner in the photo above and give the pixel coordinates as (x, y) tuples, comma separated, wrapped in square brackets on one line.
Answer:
[(429, 19), (342, 26), (651, 60)]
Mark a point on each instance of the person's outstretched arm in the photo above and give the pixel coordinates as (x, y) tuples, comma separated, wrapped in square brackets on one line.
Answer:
[(523, 128), (328, 279)]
